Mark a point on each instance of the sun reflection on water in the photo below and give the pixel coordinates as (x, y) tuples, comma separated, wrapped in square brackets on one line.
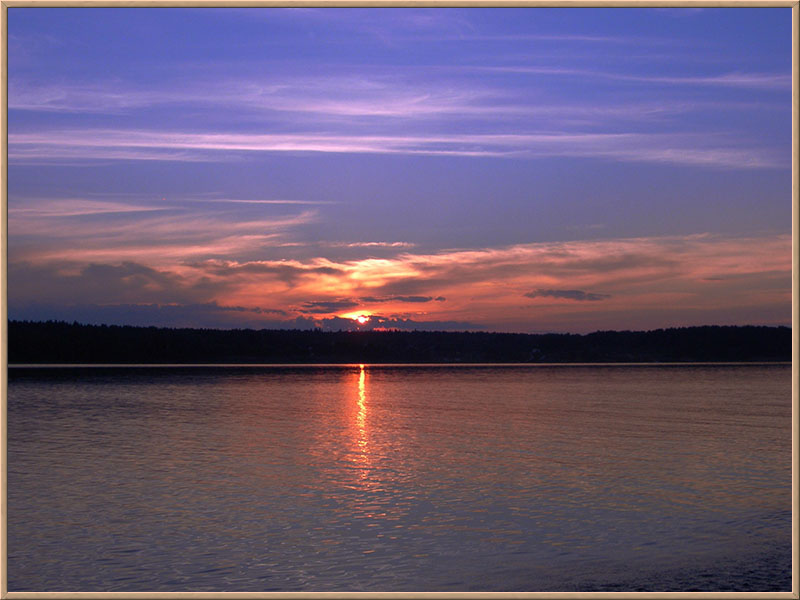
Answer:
[(363, 452), (361, 418)]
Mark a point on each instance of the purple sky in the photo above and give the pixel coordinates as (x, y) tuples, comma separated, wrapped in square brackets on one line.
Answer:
[(531, 169)]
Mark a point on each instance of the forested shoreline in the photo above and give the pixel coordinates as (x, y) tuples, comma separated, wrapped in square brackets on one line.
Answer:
[(60, 342)]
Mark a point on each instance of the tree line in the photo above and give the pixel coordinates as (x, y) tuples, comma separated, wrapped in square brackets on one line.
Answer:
[(61, 342)]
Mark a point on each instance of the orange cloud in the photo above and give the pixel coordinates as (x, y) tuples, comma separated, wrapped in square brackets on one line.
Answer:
[(675, 280), (692, 272)]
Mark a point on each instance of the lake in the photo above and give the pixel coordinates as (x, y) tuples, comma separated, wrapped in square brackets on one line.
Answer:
[(400, 478)]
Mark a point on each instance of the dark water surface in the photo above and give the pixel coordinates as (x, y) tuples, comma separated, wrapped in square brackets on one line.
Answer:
[(430, 478)]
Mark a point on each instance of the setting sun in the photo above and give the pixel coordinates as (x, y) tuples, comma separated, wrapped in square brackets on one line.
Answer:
[(362, 319)]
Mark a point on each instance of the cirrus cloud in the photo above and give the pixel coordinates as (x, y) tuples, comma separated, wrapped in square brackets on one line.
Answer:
[(689, 149)]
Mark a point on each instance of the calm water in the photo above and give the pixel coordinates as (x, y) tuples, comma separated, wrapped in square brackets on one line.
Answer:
[(400, 478)]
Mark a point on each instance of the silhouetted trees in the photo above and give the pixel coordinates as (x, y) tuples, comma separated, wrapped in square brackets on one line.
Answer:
[(60, 342)]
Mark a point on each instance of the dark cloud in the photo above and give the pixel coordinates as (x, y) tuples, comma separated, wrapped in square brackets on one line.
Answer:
[(122, 283), (285, 272), (608, 264), (209, 315), (328, 306), (214, 316), (568, 295), (556, 262), (257, 310), (380, 322), (300, 323), (394, 298), (413, 286)]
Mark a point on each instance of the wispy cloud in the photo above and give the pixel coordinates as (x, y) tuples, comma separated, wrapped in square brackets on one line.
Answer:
[(370, 244), (452, 94), (159, 233), (431, 26), (110, 97), (558, 37), (239, 201), (667, 148), (325, 95), (468, 111), (782, 81), (73, 207)]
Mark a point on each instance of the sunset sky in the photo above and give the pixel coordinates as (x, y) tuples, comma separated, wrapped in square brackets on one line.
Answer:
[(527, 169)]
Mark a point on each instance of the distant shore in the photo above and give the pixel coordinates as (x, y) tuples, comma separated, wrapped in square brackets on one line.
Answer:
[(50, 343)]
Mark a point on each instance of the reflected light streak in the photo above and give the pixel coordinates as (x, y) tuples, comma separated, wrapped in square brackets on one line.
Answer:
[(362, 452), (361, 418)]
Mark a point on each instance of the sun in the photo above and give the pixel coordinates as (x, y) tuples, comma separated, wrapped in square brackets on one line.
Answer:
[(361, 318)]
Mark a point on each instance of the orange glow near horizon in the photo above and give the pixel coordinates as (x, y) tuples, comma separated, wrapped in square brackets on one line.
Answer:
[(566, 286)]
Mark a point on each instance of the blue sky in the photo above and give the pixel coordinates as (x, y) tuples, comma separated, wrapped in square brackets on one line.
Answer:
[(527, 169)]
